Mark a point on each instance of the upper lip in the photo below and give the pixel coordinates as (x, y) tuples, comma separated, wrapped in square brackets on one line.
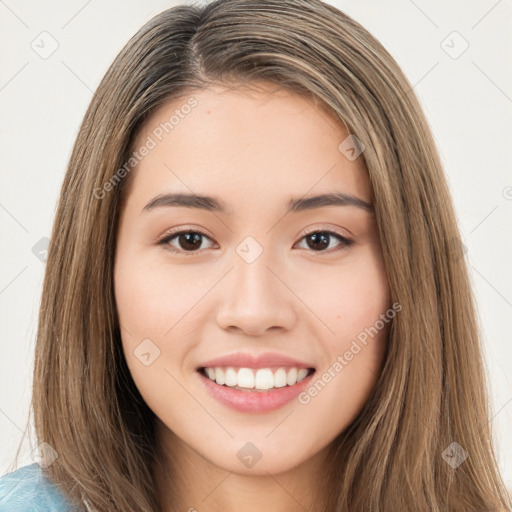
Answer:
[(265, 360)]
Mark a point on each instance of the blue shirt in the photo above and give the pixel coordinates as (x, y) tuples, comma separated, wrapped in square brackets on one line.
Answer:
[(28, 490)]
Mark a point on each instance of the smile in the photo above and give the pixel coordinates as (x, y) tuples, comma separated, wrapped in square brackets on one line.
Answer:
[(254, 391), (261, 379)]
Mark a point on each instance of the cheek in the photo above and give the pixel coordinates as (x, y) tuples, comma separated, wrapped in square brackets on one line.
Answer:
[(148, 307), (353, 306), (351, 299), (148, 299), (343, 385), (159, 303), (145, 315)]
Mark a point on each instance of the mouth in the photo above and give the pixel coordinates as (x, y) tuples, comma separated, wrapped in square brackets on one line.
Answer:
[(255, 383), (256, 379)]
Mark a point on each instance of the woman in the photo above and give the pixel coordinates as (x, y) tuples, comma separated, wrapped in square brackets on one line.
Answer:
[(255, 294)]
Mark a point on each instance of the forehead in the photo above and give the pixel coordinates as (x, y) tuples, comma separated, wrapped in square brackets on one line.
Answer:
[(248, 143)]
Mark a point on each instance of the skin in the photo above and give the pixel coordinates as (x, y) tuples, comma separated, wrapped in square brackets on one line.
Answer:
[(254, 149)]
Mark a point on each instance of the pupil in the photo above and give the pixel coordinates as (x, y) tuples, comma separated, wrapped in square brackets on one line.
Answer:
[(190, 239), (321, 237)]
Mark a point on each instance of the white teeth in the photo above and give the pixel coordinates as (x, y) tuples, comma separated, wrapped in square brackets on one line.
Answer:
[(264, 379), (280, 378), (302, 374), (231, 377), (291, 377), (245, 378), (261, 379), (219, 376)]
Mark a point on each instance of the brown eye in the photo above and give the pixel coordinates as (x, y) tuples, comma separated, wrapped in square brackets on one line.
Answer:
[(186, 241), (190, 241), (319, 241)]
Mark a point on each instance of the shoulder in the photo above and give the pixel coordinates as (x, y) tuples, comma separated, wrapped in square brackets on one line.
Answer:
[(27, 489)]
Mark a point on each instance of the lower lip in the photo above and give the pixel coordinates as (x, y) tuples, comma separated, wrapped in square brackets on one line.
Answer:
[(254, 401)]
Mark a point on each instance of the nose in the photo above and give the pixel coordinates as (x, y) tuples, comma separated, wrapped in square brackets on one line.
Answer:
[(256, 298)]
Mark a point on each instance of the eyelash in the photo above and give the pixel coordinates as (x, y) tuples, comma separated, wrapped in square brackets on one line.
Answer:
[(345, 242)]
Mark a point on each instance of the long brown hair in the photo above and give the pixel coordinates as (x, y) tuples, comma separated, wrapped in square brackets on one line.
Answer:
[(432, 391)]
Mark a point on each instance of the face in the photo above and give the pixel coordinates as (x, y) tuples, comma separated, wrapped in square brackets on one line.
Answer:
[(245, 318)]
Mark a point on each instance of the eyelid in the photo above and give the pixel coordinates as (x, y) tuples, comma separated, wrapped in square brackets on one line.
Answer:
[(324, 227), (184, 229)]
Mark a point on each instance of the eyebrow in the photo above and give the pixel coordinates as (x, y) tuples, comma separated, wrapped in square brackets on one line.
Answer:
[(294, 205)]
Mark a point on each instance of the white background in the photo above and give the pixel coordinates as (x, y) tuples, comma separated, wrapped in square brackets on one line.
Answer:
[(468, 102)]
